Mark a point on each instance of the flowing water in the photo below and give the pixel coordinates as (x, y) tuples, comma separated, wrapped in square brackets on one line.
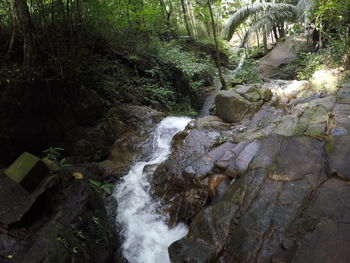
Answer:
[(145, 232)]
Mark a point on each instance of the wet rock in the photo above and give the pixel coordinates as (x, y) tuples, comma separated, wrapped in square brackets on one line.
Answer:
[(206, 163), (209, 230), (217, 185), (338, 157), (181, 180), (189, 171), (67, 222), (281, 177), (149, 169), (290, 200), (178, 139), (191, 251), (232, 107), (117, 138)]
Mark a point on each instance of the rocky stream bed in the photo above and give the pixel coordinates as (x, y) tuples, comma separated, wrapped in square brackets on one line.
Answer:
[(270, 188)]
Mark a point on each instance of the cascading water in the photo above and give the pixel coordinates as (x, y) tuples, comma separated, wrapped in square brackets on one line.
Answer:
[(145, 232)]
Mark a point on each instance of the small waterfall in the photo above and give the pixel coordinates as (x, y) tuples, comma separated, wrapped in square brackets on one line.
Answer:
[(210, 100), (145, 232)]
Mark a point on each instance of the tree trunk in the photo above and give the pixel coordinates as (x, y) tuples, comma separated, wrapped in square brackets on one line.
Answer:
[(192, 19), (265, 41), (184, 12), (281, 29), (14, 31), (218, 60), (23, 19), (274, 30)]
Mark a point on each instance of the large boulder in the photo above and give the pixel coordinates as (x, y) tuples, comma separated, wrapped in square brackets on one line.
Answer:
[(231, 106)]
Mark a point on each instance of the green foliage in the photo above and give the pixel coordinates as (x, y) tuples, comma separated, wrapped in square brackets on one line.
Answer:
[(63, 241), (54, 154), (247, 73), (267, 12), (332, 19), (99, 187), (185, 61)]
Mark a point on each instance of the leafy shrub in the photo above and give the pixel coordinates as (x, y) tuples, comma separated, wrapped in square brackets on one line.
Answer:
[(185, 61), (247, 73)]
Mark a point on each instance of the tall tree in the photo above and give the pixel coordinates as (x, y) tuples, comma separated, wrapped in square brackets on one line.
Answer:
[(14, 30), (218, 60), (185, 16), (24, 22)]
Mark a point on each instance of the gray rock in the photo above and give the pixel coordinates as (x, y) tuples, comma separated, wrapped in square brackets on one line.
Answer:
[(343, 95), (244, 158), (287, 125), (232, 107), (191, 251), (339, 157)]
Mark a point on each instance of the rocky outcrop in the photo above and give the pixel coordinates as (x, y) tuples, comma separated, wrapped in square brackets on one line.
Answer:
[(116, 137), (66, 222), (69, 217), (285, 195)]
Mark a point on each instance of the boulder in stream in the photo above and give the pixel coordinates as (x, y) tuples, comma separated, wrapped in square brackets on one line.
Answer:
[(233, 105)]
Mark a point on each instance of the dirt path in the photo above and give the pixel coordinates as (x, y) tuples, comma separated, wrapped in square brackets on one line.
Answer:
[(281, 54)]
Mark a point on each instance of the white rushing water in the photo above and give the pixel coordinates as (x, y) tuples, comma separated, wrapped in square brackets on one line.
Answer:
[(146, 235)]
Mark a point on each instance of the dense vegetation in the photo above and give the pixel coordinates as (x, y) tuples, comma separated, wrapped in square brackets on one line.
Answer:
[(57, 55)]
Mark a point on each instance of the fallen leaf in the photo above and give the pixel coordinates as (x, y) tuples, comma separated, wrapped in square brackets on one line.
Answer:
[(78, 175)]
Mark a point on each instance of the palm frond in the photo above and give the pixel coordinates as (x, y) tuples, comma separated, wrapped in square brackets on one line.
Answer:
[(242, 14), (303, 7), (267, 22)]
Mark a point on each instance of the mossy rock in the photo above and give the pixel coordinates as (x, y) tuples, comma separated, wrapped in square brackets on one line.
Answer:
[(233, 107), (28, 171)]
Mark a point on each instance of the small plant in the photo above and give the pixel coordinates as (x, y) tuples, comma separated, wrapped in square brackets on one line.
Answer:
[(54, 154), (98, 186), (96, 220), (247, 73), (63, 241), (80, 234)]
